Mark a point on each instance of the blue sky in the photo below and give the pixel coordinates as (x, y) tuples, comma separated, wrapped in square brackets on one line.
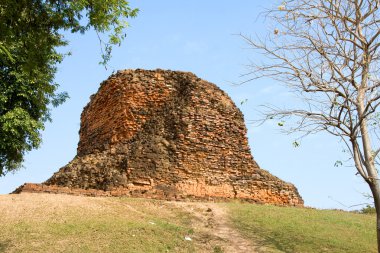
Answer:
[(201, 37)]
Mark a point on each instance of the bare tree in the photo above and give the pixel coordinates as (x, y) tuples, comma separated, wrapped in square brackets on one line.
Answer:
[(327, 51)]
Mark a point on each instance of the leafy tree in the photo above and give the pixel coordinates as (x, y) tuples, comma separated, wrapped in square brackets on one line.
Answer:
[(30, 33), (327, 52), (368, 210)]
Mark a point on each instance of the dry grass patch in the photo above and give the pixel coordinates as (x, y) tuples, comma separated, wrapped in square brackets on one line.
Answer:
[(62, 223)]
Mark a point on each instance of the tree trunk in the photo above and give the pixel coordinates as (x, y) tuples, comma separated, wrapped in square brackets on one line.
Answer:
[(376, 197)]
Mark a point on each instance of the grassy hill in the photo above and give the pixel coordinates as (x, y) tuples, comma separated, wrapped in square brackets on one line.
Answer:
[(62, 223), (305, 230)]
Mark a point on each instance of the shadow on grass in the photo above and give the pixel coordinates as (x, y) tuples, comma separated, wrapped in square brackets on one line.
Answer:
[(3, 245), (269, 242), (283, 246)]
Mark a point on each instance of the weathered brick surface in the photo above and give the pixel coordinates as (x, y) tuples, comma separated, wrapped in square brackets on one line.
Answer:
[(169, 135)]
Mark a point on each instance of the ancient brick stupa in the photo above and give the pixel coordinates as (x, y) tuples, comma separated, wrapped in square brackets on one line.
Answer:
[(167, 135)]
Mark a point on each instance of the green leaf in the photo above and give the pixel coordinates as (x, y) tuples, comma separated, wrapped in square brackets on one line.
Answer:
[(243, 101), (296, 144)]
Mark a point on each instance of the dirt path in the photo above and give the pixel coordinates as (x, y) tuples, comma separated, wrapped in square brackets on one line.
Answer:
[(213, 230)]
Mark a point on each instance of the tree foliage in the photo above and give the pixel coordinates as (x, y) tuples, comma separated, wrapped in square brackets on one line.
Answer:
[(368, 209), (327, 52), (30, 33)]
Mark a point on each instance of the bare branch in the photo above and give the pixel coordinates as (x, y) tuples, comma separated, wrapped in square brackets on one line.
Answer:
[(327, 53)]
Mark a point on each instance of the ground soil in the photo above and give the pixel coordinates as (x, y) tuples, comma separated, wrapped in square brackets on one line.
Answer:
[(214, 229)]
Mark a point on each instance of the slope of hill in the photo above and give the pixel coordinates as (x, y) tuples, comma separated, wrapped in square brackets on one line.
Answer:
[(284, 229), (63, 223)]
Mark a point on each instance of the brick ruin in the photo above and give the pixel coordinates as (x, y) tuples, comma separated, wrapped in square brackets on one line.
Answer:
[(166, 135)]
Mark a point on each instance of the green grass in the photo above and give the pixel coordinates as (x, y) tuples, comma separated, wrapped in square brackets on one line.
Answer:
[(95, 234), (117, 225), (287, 229)]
